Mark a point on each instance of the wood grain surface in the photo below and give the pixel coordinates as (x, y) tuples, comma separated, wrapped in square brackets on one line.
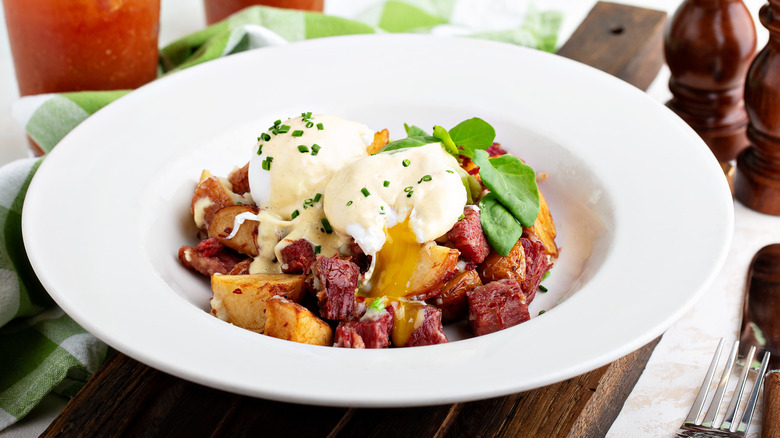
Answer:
[(127, 398)]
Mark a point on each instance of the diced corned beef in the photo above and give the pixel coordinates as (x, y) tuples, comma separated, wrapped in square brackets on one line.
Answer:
[(536, 265), (468, 238), (371, 331), (495, 150), (430, 332), (496, 306), (210, 257), (239, 179), (298, 257), (338, 280), (359, 257)]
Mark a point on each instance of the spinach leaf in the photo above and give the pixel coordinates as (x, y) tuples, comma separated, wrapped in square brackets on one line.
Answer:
[(414, 131), (472, 134), (409, 142), (499, 225), (513, 183)]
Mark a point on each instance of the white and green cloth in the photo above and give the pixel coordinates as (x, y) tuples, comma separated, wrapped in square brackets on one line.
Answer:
[(44, 350)]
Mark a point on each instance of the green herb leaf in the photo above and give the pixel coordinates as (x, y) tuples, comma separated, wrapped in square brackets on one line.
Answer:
[(409, 142), (415, 131), (512, 182), (499, 225), (446, 140), (472, 134)]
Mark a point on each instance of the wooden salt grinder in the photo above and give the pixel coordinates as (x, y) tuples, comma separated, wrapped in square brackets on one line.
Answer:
[(757, 180), (708, 46)]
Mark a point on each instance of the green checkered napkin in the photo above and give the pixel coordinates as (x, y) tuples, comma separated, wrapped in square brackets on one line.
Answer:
[(42, 349)]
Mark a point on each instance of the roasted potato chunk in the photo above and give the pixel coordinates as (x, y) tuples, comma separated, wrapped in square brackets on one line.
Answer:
[(452, 300), (245, 240), (241, 299), (497, 267), (381, 138), (292, 322), (544, 228), (211, 195), (435, 262)]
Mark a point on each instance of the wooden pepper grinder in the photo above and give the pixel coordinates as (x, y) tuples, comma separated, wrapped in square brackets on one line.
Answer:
[(708, 47), (757, 181)]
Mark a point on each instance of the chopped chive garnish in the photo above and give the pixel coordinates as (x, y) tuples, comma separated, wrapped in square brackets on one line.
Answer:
[(365, 192), (542, 312), (294, 214), (320, 126), (317, 197), (326, 226), (284, 129), (406, 163), (386, 183), (315, 149), (306, 115), (308, 202), (425, 178), (408, 189), (303, 149), (349, 203), (317, 249), (461, 217), (278, 122), (309, 124), (297, 133), (260, 149), (409, 195), (449, 171), (266, 165), (542, 288), (266, 136)]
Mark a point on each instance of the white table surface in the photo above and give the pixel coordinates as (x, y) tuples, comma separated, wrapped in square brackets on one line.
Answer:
[(664, 393)]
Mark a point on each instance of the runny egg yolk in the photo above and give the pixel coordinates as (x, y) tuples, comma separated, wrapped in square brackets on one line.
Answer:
[(396, 262), (395, 265)]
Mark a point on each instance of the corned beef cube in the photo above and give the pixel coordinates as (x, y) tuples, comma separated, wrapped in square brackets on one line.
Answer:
[(496, 306), (297, 257), (468, 238), (370, 331), (210, 257), (430, 332), (536, 265), (338, 280)]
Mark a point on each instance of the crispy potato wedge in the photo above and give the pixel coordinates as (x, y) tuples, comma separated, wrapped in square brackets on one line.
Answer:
[(381, 138), (292, 322), (544, 228), (211, 195), (497, 267), (452, 300), (435, 262), (241, 299), (245, 240)]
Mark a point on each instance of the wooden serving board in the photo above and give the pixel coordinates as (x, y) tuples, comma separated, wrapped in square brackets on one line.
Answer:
[(126, 397)]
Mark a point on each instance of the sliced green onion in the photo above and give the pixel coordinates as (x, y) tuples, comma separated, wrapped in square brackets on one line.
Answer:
[(297, 133), (365, 192), (284, 129), (349, 203), (303, 149), (266, 136), (326, 226), (315, 149), (386, 183), (260, 149), (320, 126), (294, 214), (317, 249), (542, 288), (406, 163), (309, 124), (541, 312), (317, 197)]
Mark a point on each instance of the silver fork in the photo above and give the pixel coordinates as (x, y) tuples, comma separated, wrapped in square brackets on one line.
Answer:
[(732, 423)]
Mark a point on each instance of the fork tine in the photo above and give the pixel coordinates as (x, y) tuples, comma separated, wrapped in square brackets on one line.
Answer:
[(701, 397), (751, 405), (717, 400), (739, 391)]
